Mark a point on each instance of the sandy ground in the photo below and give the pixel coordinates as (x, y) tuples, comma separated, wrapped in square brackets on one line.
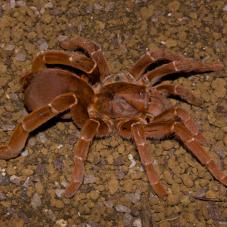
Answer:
[(116, 191)]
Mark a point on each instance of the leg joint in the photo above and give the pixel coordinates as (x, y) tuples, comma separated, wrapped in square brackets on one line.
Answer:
[(55, 111), (24, 127)]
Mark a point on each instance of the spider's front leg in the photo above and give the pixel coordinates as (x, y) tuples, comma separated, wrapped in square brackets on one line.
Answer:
[(35, 119), (142, 146), (87, 134), (90, 48), (178, 63), (55, 57), (177, 90), (165, 128)]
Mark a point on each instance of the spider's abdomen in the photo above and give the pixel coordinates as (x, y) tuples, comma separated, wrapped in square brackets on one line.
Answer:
[(44, 86)]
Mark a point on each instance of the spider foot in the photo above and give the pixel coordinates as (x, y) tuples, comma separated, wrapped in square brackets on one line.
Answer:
[(5, 153), (72, 189)]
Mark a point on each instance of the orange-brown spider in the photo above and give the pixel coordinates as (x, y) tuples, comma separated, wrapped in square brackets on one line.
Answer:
[(135, 106)]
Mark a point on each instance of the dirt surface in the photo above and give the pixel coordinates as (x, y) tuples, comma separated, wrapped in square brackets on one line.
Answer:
[(116, 191)]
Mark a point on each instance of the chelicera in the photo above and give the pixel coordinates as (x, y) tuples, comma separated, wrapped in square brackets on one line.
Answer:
[(133, 104)]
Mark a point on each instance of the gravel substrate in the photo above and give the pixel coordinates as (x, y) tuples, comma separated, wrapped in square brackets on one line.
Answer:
[(116, 191)]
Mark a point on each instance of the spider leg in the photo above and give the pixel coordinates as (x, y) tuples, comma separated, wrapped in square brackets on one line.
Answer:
[(73, 59), (178, 63), (188, 122), (35, 119), (184, 65), (90, 48), (88, 132), (149, 58), (138, 134), (178, 90), (162, 129)]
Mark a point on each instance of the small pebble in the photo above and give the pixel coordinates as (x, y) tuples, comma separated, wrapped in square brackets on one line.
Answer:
[(113, 185), (61, 223), (20, 57), (58, 163), (119, 161), (42, 138), (2, 196), (49, 5), (57, 203), (225, 161), (9, 47), (62, 37), (173, 199), (15, 179), (4, 180), (167, 145), (127, 219), (27, 172), (211, 194), (219, 87), (122, 209), (174, 6), (133, 162), (225, 8), (225, 140), (137, 223), (147, 12), (40, 169), (108, 203), (89, 179), (134, 197), (36, 201), (50, 214), (94, 195), (24, 153), (12, 3), (27, 182), (21, 3), (39, 187), (59, 192), (187, 180)]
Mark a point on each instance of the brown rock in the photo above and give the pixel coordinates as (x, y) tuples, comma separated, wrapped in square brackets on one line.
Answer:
[(187, 180), (39, 187), (173, 199), (57, 203), (174, 6), (170, 43), (27, 172), (113, 185), (147, 12), (167, 144), (94, 195), (225, 140), (219, 87)]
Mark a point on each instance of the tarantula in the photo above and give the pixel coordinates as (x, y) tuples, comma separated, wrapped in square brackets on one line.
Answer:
[(76, 83)]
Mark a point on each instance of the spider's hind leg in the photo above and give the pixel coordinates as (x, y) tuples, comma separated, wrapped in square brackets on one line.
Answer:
[(165, 128), (179, 113)]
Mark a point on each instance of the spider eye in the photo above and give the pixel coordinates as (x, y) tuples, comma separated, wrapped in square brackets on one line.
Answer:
[(141, 93)]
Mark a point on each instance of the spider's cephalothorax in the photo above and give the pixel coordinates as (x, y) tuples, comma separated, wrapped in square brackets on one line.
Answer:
[(76, 83)]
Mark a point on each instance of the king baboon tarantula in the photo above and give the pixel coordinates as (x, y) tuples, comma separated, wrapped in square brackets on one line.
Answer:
[(134, 104)]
